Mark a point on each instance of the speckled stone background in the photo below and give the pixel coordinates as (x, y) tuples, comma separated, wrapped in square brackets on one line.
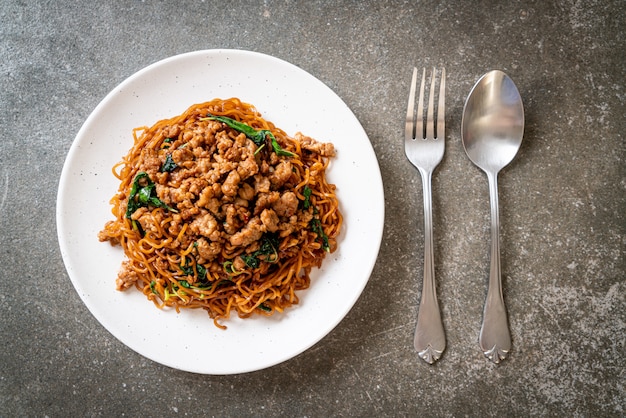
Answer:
[(563, 203)]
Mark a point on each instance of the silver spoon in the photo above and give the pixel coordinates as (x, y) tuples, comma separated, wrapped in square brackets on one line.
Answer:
[(491, 130)]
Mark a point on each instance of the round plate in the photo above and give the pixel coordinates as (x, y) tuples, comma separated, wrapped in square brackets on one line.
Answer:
[(294, 101)]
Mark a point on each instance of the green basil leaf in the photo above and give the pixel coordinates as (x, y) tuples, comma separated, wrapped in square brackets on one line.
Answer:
[(306, 192), (144, 195), (169, 165), (258, 137), (316, 226)]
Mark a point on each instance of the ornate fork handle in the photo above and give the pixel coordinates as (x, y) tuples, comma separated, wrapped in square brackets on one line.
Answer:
[(430, 339)]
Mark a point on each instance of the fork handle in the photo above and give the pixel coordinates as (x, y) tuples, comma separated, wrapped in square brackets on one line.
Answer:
[(430, 339)]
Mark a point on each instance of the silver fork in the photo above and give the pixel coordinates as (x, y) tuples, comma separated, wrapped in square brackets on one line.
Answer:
[(425, 148)]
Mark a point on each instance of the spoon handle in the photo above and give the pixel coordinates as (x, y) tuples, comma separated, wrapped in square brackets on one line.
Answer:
[(495, 338), (430, 339)]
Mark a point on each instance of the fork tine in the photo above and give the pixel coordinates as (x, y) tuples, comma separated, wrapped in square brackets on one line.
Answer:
[(430, 125), (409, 127), (419, 125), (441, 112)]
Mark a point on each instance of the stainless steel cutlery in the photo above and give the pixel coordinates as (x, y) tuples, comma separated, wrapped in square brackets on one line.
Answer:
[(491, 129)]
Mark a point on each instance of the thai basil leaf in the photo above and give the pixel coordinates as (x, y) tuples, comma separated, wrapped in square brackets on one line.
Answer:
[(201, 272), (258, 137), (268, 252), (201, 282), (306, 192), (316, 226), (186, 269), (185, 284), (144, 196), (277, 148), (169, 165), (251, 261)]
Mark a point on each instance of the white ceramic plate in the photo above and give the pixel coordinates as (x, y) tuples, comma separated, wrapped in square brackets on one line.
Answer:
[(295, 101)]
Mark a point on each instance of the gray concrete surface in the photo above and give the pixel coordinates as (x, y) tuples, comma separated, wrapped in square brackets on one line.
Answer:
[(563, 206)]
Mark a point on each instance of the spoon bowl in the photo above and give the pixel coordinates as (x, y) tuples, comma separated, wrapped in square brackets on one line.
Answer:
[(492, 128)]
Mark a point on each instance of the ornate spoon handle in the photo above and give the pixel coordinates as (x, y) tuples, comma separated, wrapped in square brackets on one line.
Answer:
[(495, 338), (430, 339)]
